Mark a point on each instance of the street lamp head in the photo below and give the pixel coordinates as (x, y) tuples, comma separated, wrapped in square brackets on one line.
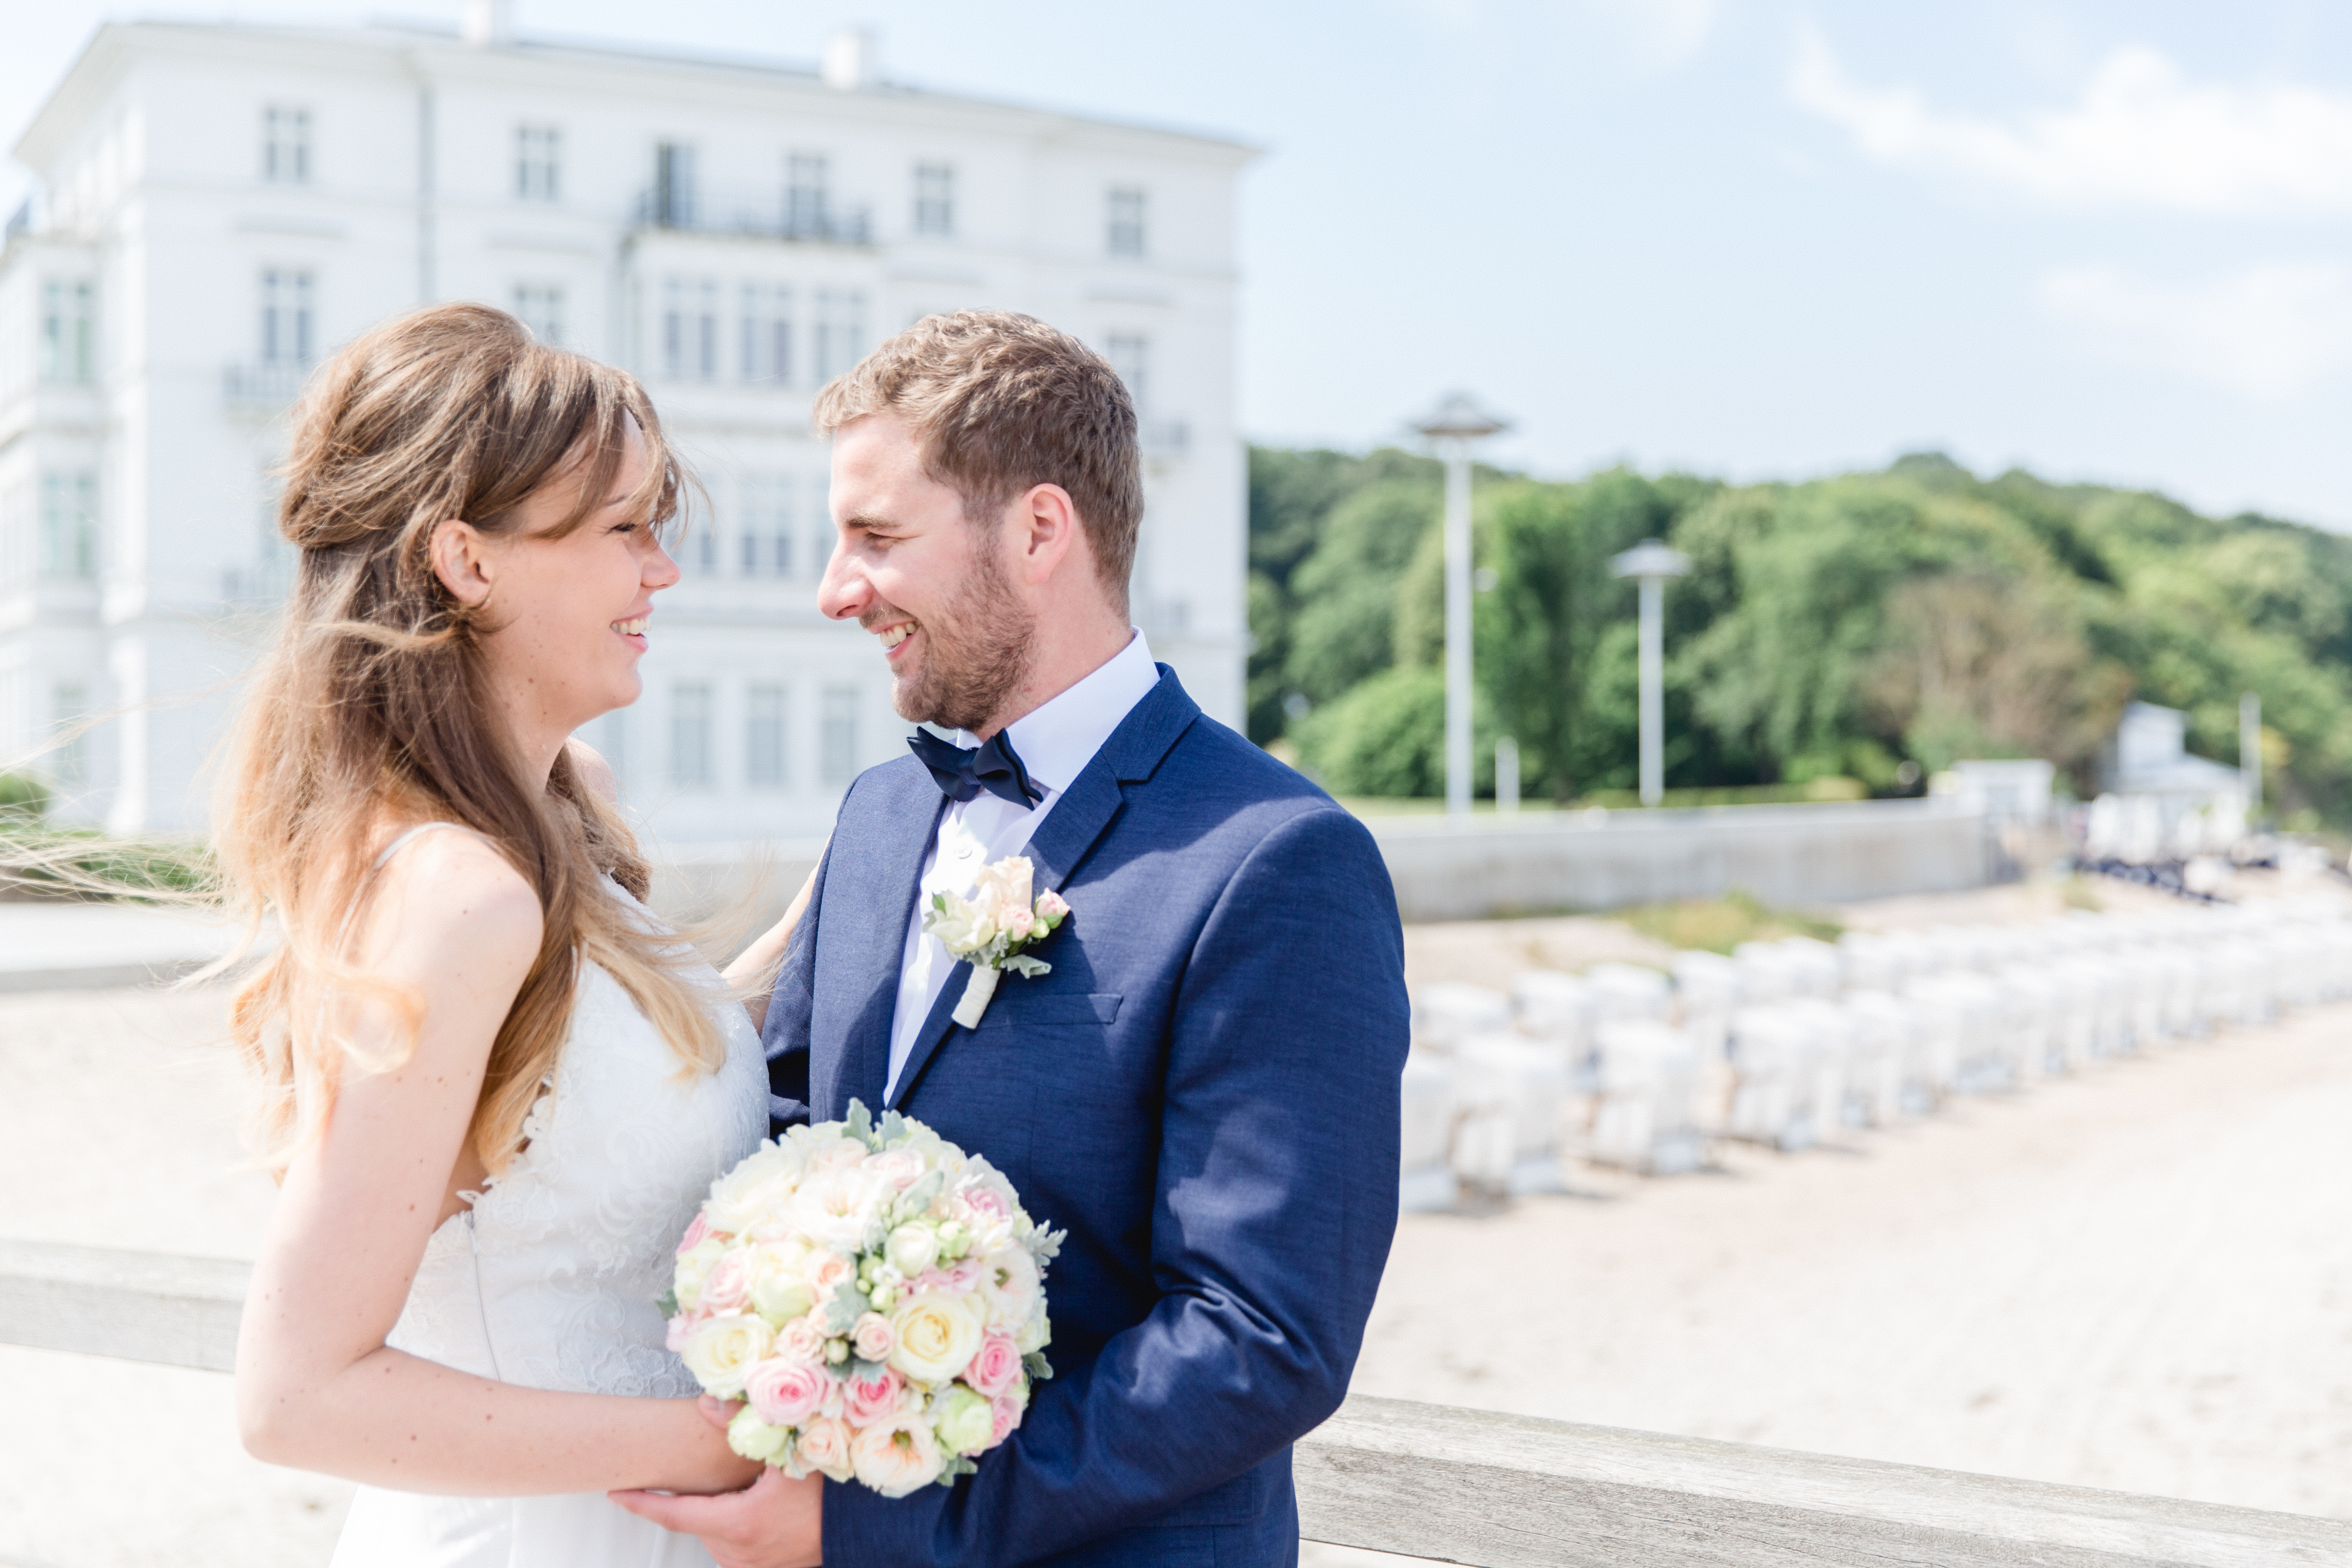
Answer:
[(1651, 558), (1459, 418)]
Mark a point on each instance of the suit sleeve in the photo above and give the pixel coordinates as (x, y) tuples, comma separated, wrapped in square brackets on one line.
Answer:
[(1276, 1203), (784, 1036)]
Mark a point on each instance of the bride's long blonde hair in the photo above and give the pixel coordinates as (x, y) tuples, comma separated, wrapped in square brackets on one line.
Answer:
[(372, 712)]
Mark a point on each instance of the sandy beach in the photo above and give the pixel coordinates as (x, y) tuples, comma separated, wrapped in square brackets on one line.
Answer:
[(2140, 1278)]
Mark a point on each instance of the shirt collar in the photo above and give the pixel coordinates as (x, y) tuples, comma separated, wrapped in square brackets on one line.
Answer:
[(1062, 735)]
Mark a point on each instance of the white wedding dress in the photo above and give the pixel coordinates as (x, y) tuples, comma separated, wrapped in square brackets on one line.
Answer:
[(549, 1280)]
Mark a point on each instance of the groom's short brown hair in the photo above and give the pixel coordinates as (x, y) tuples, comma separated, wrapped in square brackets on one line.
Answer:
[(1001, 402)]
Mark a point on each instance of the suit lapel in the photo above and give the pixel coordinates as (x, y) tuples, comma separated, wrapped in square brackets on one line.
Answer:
[(1070, 833), (875, 929)]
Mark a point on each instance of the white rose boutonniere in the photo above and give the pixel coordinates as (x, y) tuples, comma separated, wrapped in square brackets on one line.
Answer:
[(991, 929)]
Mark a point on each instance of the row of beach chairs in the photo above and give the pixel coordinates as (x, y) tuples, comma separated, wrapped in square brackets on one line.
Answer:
[(1792, 1043)]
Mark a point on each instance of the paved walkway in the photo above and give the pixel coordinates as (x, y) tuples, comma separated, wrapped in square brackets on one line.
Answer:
[(65, 946)]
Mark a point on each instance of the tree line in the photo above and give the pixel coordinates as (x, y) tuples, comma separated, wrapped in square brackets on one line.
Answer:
[(1842, 627)]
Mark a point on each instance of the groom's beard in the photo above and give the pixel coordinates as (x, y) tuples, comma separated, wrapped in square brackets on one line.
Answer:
[(976, 652)]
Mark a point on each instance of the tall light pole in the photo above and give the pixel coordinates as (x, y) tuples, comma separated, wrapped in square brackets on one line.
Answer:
[(1650, 563), (1457, 422)]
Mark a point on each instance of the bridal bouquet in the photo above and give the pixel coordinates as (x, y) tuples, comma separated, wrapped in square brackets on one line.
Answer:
[(873, 1294)]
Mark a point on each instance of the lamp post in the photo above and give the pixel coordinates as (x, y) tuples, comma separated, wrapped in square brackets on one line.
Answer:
[(1457, 422), (1650, 563)]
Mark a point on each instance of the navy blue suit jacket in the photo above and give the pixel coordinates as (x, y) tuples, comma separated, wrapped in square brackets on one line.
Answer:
[(1204, 1092)]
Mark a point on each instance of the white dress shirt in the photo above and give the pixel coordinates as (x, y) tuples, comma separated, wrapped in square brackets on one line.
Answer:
[(1055, 742)]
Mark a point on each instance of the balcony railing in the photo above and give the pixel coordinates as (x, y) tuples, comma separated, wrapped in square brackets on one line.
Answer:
[(1433, 1480), (263, 385), (823, 222)]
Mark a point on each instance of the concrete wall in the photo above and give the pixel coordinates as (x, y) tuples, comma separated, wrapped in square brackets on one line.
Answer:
[(1607, 860), (1535, 863)]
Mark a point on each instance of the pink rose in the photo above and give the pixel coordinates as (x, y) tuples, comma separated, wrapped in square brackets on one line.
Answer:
[(994, 1367), (826, 1271), (694, 1233), (1007, 1409), (681, 1329), (785, 1393), (801, 1339), (823, 1446), (1020, 922), (871, 1399), (873, 1338), (1050, 905), (728, 1288), (901, 1168)]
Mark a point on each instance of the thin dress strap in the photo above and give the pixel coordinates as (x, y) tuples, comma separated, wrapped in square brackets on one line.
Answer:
[(399, 843)]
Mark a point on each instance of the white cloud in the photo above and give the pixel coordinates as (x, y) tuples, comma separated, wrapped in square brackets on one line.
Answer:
[(2142, 134), (1665, 32), (2270, 332)]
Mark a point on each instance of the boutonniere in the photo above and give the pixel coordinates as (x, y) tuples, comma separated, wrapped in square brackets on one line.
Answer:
[(992, 930)]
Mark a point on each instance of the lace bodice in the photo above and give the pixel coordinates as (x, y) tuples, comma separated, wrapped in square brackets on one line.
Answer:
[(550, 1279)]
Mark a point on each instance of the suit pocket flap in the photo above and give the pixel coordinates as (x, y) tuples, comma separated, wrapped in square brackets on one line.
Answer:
[(1010, 1009)]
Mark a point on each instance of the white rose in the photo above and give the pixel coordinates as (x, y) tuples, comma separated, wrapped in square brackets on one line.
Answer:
[(898, 1457), (939, 1331), (723, 1350), (913, 1248), (1035, 1334), (840, 1210), (694, 1267), (1012, 1287)]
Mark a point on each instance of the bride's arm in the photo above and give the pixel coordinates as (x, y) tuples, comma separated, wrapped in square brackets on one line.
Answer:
[(756, 966), (316, 1386)]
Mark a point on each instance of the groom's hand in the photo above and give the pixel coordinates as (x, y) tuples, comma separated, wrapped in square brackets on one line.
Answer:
[(774, 1523)]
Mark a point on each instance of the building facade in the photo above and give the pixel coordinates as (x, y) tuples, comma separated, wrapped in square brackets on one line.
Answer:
[(223, 205)]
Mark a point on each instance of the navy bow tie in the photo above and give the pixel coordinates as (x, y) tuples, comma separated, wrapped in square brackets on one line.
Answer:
[(994, 766)]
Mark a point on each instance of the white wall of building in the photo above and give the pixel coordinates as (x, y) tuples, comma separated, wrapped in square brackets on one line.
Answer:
[(239, 200)]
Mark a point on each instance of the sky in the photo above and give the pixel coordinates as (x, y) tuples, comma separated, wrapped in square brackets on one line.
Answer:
[(1754, 238)]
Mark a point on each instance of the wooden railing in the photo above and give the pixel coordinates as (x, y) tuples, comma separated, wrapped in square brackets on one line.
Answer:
[(1431, 1480)]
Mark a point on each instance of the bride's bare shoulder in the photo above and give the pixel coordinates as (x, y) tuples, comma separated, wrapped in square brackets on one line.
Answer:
[(448, 897)]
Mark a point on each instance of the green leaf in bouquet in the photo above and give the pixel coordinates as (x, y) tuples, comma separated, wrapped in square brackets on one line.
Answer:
[(859, 1124), (1045, 1246), (1038, 1368), (860, 1367), (667, 1303), (917, 1199), (957, 1467), (841, 1313), (894, 1127), (1022, 963)]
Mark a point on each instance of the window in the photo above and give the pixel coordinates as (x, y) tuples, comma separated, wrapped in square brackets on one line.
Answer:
[(689, 328), (934, 198), (673, 198), (768, 333), (69, 525), (1131, 357), (840, 332), (286, 146), (763, 737), (804, 197), (767, 524), (689, 736), (839, 740), (541, 306), (285, 316), (19, 549), (537, 154), (1124, 228), (67, 330), (70, 706)]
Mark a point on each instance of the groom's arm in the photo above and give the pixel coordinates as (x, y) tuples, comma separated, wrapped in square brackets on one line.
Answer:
[(1276, 1203)]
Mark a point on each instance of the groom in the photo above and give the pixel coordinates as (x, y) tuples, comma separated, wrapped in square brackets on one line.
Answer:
[(1203, 1090)]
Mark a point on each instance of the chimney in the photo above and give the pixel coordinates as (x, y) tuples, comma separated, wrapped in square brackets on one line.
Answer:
[(489, 22), (853, 60)]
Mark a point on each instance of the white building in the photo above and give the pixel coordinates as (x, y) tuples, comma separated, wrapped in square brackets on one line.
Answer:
[(222, 204)]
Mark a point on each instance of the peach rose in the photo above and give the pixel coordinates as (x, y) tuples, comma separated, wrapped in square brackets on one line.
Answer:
[(871, 1398), (898, 1456), (824, 1447), (785, 1393)]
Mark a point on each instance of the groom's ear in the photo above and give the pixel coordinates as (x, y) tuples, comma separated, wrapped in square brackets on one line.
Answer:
[(1046, 530), (460, 558)]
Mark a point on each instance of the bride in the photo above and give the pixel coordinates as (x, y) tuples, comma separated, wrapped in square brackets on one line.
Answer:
[(495, 1091)]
